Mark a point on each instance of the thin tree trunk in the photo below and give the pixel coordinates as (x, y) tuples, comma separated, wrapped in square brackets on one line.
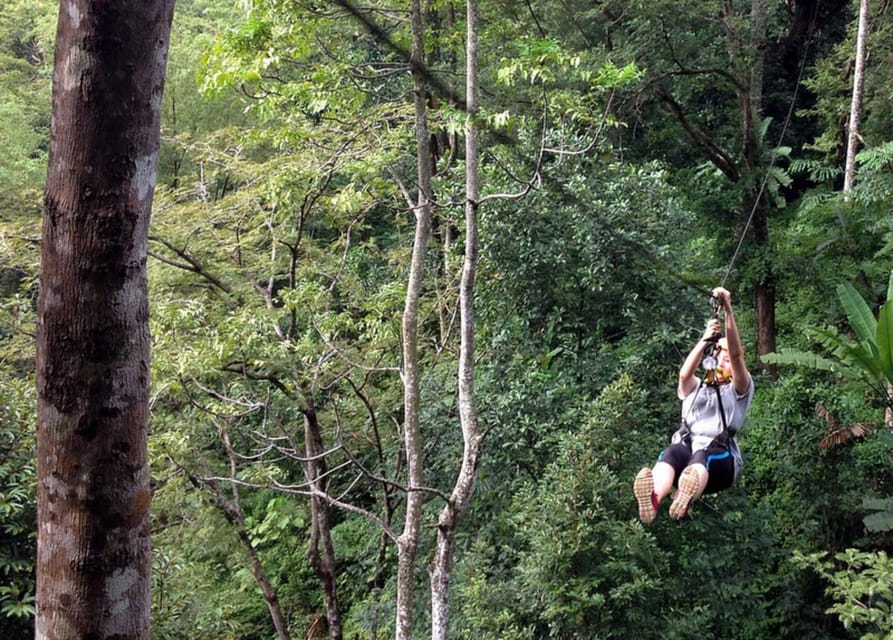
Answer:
[(758, 53), (463, 489), (407, 544), (93, 557), (231, 506), (764, 287), (322, 562), (271, 595), (849, 176)]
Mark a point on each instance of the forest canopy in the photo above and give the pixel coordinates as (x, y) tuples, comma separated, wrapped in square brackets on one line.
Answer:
[(421, 278)]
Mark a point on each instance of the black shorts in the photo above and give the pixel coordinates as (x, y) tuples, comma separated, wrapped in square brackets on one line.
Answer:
[(719, 462)]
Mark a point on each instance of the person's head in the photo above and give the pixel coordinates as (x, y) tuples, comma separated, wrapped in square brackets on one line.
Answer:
[(723, 362)]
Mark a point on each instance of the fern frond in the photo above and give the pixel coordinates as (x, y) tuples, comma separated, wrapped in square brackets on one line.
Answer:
[(876, 158), (825, 174), (803, 165)]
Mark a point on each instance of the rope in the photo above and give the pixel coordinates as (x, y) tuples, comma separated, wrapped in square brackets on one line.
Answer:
[(771, 163)]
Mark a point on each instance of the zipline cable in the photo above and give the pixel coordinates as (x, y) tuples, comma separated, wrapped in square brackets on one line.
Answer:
[(765, 180)]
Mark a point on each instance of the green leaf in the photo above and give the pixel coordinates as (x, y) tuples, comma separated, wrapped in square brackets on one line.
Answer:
[(877, 504), (877, 522), (866, 359), (885, 340), (806, 359), (890, 288), (882, 520), (861, 319)]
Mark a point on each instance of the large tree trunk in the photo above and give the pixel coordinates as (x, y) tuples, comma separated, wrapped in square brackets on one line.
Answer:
[(93, 559), (463, 489), (407, 544), (764, 303), (764, 286)]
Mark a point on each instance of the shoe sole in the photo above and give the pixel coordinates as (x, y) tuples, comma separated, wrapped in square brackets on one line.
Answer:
[(685, 495), (643, 487)]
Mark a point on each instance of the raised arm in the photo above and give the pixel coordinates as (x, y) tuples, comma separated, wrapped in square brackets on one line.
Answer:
[(687, 380), (740, 374)]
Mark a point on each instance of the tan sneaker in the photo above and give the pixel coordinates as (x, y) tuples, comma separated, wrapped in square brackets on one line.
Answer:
[(643, 488), (687, 488)]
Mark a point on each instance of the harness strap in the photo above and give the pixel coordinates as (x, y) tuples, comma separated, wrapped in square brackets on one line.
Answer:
[(722, 438), (722, 410), (726, 432)]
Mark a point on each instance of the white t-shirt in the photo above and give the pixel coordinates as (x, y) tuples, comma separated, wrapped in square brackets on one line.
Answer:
[(700, 411)]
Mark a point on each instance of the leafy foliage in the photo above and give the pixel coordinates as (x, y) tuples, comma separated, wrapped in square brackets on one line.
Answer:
[(18, 532), (860, 583), (869, 359), (279, 247)]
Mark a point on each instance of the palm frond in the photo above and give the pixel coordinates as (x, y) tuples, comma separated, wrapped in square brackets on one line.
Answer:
[(806, 359), (867, 363)]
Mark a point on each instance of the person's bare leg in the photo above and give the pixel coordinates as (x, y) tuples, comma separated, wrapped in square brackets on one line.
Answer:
[(664, 475)]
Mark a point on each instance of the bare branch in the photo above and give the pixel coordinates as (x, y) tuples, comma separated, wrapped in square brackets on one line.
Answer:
[(722, 160), (190, 263)]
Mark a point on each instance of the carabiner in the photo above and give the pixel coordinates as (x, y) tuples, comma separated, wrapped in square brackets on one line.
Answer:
[(714, 306)]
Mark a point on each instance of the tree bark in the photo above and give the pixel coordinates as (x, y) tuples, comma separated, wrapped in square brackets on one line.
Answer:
[(849, 176), (323, 562), (463, 489), (758, 12), (93, 559), (407, 544), (756, 201), (232, 511)]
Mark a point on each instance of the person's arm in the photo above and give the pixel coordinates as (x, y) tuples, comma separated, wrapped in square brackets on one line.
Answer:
[(740, 374), (687, 380)]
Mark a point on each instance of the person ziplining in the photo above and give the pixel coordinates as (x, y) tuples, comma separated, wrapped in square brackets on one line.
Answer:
[(703, 456)]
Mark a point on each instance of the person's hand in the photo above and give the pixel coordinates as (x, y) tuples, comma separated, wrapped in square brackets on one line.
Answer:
[(711, 333), (723, 296)]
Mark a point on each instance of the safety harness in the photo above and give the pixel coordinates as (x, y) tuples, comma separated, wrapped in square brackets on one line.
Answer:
[(709, 364)]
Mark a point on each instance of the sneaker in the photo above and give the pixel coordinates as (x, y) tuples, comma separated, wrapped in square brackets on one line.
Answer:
[(688, 486), (643, 488)]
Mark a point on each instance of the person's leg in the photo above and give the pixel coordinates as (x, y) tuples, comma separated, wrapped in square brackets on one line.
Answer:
[(643, 489), (692, 482), (711, 470), (653, 485), (664, 475)]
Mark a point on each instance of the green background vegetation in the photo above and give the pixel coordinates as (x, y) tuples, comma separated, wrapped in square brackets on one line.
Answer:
[(279, 249)]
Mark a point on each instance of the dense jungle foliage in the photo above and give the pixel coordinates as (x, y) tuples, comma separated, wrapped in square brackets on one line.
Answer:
[(279, 250)]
